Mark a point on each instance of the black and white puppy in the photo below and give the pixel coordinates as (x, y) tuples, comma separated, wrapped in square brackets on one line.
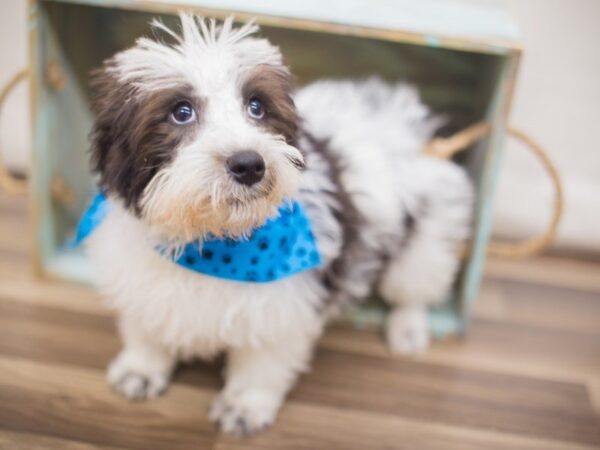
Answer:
[(168, 118)]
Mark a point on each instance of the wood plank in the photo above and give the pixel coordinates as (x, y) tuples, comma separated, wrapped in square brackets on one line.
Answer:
[(508, 347), (10, 440), (17, 282), (15, 235), (85, 340), (46, 334), (539, 305), (12, 205), (493, 346), (499, 347), (20, 310), (547, 270), (76, 404), (308, 427), (449, 395)]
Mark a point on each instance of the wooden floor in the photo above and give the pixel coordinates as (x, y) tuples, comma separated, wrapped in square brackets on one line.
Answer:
[(526, 377)]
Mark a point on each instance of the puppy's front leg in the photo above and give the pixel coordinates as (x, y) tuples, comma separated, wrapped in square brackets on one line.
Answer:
[(256, 383), (143, 367)]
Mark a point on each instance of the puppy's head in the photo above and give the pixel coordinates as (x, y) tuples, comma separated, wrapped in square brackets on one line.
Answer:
[(197, 136)]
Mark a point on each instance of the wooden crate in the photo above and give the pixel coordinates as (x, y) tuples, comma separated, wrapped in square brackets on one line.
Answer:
[(463, 58)]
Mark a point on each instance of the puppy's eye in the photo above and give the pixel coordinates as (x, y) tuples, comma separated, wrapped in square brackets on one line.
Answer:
[(183, 113), (256, 110)]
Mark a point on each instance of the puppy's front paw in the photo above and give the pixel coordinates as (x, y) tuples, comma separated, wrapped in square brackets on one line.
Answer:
[(245, 412), (135, 382), (407, 330)]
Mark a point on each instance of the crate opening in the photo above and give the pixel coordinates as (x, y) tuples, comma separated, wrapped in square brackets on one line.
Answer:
[(462, 86)]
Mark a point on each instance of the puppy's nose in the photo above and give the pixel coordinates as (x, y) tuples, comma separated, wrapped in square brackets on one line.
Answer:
[(246, 167)]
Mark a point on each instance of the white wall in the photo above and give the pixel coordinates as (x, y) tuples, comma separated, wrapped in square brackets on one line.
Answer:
[(14, 117), (557, 102)]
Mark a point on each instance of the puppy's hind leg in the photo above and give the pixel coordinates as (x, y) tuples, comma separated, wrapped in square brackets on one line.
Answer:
[(422, 272), (143, 367)]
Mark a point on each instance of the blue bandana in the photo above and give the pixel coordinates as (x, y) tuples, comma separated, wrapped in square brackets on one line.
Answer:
[(283, 246)]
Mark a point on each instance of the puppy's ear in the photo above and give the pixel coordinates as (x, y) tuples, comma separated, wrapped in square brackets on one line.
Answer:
[(113, 107), (131, 138)]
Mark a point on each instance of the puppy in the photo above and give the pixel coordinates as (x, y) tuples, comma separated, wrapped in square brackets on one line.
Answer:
[(204, 139)]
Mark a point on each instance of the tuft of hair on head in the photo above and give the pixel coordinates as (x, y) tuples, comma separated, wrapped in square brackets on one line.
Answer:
[(197, 31), (153, 63)]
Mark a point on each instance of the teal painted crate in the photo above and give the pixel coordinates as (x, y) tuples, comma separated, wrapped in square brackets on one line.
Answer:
[(463, 58)]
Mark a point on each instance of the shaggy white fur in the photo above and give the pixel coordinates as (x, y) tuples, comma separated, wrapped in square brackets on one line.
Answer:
[(380, 211)]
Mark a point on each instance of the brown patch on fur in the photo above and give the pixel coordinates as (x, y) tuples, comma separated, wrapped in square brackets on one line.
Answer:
[(273, 86), (132, 137), (347, 215)]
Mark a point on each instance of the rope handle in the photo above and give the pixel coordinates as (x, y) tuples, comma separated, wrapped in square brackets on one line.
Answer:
[(8, 181), (59, 189), (445, 148)]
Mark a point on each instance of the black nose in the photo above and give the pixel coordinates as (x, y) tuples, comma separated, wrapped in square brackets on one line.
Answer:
[(246, 167)]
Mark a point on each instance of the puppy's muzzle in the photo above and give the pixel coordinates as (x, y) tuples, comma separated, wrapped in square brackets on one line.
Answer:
[(246, 167)]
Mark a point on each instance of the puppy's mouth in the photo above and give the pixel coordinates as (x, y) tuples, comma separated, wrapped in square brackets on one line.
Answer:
[(246, 194)]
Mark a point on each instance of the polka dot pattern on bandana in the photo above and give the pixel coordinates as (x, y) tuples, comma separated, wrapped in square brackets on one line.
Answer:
[(283, 246)]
